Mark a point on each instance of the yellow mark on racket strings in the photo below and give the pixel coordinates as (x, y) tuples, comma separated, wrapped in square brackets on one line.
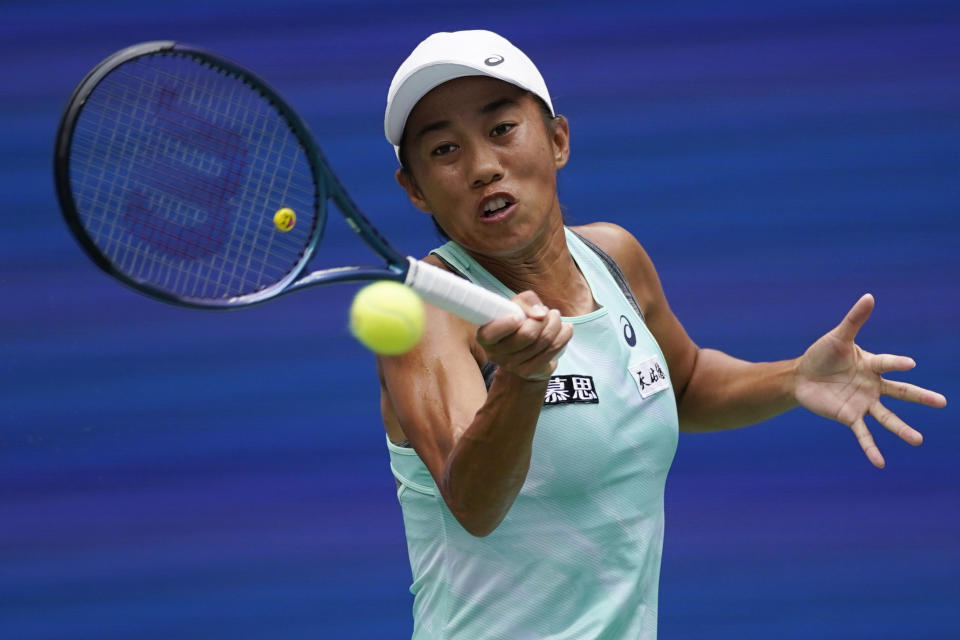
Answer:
[(284, 219)]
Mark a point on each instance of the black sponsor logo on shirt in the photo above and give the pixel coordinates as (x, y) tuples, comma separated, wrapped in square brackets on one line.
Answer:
[(570, 389)]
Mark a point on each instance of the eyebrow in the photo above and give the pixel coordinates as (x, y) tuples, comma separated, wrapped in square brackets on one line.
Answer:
[(491, 107), (496, 105)]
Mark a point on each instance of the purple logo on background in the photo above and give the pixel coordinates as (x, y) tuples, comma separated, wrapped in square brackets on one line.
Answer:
[(209, 193)]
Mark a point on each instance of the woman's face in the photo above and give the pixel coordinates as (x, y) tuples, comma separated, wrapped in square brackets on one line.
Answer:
[(483, 162)]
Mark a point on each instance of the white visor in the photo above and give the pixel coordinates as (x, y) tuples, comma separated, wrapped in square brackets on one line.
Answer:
[(446, 56)]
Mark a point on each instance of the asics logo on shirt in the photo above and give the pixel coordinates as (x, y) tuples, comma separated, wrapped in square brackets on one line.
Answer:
[(628, 333)]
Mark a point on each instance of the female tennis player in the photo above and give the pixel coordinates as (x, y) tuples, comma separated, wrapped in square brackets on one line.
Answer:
[(531, 455)]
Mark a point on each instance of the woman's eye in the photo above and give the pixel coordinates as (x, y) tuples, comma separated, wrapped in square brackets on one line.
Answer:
[(501, 129), (443, 149)]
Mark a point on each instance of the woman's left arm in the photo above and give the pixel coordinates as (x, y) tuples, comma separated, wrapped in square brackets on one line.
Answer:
[(834, 378)]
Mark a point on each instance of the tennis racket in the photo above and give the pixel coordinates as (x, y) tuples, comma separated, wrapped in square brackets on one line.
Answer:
[(186, 177)]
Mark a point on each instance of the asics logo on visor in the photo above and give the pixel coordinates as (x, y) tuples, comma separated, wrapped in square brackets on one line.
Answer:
[(493, 61)]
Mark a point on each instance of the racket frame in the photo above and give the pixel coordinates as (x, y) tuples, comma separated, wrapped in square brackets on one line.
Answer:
[(327, 186), (435, 285)]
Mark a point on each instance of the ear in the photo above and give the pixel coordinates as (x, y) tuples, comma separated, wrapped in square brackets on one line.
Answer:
[(560, 140), (406, 180)]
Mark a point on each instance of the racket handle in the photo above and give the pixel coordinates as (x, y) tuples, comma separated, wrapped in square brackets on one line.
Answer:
[(457, 295)]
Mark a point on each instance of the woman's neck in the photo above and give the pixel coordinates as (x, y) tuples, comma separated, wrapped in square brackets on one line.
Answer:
[(547, 268)]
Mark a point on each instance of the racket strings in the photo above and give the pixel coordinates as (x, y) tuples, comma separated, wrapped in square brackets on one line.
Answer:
[(177, 169)]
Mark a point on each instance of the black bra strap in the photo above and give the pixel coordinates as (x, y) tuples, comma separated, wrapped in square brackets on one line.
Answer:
[(616, 272)]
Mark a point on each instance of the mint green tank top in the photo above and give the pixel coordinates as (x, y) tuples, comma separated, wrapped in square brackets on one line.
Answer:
[(577, 557)]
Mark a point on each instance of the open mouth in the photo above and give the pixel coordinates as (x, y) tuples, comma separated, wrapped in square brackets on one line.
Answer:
[(496, 205)]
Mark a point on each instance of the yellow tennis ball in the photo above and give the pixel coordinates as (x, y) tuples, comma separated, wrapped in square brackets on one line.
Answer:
[(387, 317), (284, 219)]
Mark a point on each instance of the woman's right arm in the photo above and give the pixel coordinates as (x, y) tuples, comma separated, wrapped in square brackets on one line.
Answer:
[(475, 442)]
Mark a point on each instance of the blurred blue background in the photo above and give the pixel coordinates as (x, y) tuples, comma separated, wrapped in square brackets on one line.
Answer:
[(173, 473)]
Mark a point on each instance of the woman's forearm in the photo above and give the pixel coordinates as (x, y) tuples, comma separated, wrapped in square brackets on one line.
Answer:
[(725, 392), (489, 462)]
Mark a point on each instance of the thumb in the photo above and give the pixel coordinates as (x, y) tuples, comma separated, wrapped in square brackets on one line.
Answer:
[(531, 305), (849, 327)]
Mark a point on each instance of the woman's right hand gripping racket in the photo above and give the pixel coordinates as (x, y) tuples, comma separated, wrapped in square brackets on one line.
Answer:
[(178, 172)]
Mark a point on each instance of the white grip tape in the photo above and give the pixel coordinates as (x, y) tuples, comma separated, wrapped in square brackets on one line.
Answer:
[(457, 295)]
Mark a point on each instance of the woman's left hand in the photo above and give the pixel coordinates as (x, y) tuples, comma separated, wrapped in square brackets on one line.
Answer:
[(839, 380)]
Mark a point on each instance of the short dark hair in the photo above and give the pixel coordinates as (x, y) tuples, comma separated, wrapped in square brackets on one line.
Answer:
[(545, 112)]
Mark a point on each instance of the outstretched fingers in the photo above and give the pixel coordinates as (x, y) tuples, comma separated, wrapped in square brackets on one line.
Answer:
[(892, 423), (885, 362), (912, 393), (869, 447), (858, 314)]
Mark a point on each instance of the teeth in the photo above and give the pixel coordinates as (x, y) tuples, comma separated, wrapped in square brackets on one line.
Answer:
[(493, 205)]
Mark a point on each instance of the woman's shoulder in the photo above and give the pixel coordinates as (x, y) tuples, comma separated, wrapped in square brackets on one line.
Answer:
[(626, 251), (617, 242)]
